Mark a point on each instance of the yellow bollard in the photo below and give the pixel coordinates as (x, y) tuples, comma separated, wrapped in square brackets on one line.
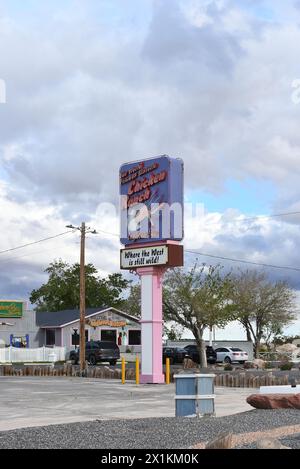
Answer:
[(167, 370), (123, 370), (137, 370)]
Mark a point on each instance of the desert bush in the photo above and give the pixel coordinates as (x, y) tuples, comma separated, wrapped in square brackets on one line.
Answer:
[(268, 365), (248, 365), (228, 367), (286, 366)]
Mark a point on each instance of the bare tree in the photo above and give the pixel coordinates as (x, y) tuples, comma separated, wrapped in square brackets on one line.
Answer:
[(197, 300), (262, 307), (132, 305)]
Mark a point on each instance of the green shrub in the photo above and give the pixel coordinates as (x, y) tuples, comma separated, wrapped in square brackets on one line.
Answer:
[(248, 365), (268, 365), (286, 366), (228, 367)]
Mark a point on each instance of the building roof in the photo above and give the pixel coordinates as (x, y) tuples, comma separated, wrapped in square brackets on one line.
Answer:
[(62, 318)]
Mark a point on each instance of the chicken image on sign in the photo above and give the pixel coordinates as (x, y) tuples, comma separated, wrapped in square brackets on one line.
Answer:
[(151, 193)]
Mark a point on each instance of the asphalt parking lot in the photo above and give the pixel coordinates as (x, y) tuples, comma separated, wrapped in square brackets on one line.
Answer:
[(38, 401)]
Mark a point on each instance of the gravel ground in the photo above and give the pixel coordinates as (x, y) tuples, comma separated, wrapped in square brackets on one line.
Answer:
[(154, 433), (291, 441)]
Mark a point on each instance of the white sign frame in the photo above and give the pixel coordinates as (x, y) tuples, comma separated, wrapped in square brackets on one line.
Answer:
[(147, 256)]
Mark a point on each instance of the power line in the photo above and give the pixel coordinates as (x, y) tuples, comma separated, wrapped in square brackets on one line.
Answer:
[(35, 242), (243, 261), (234, 220), (257, 217), (30, 254), (107, 232)]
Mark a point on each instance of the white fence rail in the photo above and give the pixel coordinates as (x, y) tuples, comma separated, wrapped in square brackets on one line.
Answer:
[(30, 355)]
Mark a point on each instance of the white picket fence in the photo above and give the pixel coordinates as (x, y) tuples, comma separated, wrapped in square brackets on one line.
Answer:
[(32, 355)]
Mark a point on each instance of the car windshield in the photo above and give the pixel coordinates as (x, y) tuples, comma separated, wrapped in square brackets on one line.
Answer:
[(236, 349)]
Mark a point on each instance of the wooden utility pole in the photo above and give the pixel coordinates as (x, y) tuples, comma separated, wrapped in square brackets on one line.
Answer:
[(83, 231), (82, 300)]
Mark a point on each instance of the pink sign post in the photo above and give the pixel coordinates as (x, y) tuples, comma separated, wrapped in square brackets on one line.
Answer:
[(152, 324), (151, 228)]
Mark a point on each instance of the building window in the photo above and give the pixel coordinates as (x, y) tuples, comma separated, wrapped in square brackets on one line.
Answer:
[(109, 334), (134, 337), (50, 337)]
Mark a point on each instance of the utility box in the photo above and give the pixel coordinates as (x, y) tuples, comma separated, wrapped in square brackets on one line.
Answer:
[(194, 395)]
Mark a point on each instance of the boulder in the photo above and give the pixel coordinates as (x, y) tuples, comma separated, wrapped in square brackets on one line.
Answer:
[(258, 363), (274, 401), (286, 348), (188, 363)]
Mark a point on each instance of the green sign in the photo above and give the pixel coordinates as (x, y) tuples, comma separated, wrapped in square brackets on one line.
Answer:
[(11, 309)]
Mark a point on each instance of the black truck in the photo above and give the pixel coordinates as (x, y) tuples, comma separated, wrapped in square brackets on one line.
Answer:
[(98, 351)]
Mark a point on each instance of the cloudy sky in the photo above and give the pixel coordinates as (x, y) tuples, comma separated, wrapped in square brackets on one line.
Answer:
[(90, 85)]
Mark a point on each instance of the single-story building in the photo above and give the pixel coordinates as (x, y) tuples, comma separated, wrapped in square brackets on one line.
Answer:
[(18, 324), (61, 328), (22, 327)]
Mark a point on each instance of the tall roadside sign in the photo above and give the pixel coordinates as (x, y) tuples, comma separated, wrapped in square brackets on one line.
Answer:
[(151, 210)]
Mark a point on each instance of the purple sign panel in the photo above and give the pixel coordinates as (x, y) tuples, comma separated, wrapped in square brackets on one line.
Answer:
[(151, 200)]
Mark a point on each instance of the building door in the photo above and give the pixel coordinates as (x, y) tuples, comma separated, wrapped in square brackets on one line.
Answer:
[(50, 337), (109, 335)]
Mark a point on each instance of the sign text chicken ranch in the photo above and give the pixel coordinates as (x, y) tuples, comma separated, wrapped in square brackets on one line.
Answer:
[(143, 257)]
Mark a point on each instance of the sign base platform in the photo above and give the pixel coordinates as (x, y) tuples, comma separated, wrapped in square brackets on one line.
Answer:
[(152, 379)]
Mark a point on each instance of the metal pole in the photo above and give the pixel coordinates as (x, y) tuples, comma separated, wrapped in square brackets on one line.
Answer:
[(82, 299), (167, 370), (210, 335), (137, 371), (123, 370)]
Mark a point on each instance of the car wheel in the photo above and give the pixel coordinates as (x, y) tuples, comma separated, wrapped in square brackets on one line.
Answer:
[(113, 362), (227, 360), (92, 360), (73, 359)]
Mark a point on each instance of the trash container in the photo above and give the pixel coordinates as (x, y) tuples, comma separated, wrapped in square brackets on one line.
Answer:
[(194, 395)]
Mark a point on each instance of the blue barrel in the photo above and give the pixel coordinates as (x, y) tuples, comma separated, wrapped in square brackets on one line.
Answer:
[(194, 395)]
